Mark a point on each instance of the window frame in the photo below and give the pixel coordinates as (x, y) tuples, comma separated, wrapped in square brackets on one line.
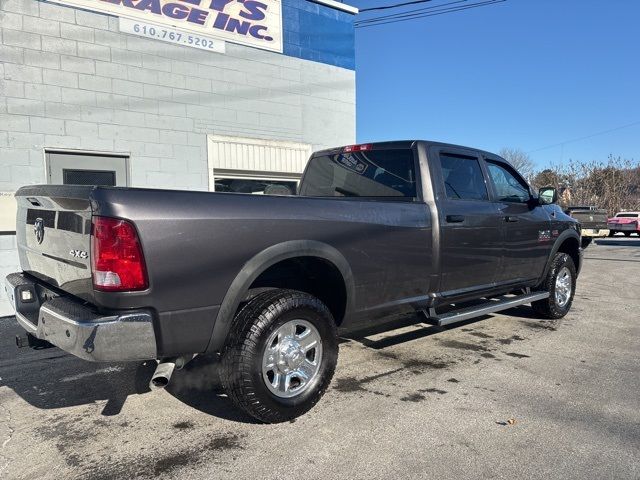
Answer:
[(507, 166), (438, 177)]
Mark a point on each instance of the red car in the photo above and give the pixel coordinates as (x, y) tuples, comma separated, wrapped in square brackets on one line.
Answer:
[(624, 222)]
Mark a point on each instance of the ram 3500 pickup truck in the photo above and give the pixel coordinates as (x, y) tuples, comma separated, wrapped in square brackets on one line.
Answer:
[(593, 222), (266, 282)]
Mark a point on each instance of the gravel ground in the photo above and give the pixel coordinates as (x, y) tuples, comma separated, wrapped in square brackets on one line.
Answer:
[(506, 396)]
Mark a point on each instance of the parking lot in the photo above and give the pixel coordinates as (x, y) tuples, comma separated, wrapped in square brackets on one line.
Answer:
[(501, 397)]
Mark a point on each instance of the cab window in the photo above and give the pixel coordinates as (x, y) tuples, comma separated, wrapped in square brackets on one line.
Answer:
[(463, 179), (508, 185), (373, 173)]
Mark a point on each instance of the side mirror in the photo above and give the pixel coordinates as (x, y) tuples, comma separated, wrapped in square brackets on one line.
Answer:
[(547, 195)]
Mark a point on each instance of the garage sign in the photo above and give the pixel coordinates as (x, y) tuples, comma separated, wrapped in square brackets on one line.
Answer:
[(247, 22)]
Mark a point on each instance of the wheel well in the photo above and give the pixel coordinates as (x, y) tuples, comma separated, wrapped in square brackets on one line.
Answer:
[(571, 247), (313, 275)]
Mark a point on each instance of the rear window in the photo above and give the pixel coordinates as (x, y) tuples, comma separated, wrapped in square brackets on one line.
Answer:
[(372, 173), (627, 215)]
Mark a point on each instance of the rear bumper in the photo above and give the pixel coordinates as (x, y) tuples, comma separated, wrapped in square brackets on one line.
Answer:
[(77, 328), (595, 232), (623, 227)]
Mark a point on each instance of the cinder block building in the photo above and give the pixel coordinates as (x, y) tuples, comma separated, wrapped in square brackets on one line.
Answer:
[(219, 95)]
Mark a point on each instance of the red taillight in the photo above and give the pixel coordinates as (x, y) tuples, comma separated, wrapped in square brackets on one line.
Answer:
[(117, 260), (357, 148)]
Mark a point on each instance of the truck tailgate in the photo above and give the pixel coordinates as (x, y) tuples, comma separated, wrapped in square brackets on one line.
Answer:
[(54, 236), (591, 218)]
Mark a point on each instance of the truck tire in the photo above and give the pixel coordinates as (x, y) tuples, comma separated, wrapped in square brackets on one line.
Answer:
[(612, 233), (585, 242), (561, 285), (280, 355)]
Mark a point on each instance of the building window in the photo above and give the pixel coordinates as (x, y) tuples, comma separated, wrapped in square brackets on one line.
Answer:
[(256, 186)]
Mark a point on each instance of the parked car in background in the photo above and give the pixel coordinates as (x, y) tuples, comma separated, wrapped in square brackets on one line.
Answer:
[(624, 222), (593, 221)]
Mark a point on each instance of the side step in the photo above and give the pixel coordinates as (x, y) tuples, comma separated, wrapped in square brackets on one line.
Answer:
[(491, 306)]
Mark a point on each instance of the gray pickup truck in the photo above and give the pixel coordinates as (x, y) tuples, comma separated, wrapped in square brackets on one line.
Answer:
[(266, 283)]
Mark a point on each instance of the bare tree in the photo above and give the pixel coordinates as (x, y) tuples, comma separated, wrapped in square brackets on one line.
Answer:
[(613, 185), (520, 160)]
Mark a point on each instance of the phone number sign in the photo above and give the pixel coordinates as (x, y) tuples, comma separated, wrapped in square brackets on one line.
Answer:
[(247, 22)]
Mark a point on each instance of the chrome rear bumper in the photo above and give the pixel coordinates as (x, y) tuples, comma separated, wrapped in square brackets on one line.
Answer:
[(77, 328)]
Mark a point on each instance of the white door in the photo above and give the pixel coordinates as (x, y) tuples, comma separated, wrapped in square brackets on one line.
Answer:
[(78, 168)]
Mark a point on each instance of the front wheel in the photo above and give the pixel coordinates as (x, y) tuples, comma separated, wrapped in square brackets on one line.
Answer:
[(561, 285), (280, 355)]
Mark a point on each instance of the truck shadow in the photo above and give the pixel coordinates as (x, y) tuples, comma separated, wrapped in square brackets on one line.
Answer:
[(51, 379), (198, 385), (421, 329), (618, 242)]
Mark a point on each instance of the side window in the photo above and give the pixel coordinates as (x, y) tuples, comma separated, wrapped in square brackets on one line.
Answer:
[(509, 186), (463, 179)]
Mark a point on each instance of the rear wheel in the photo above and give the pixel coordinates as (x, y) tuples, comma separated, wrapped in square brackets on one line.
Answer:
[(561, 284), (612, 233), (280, 356), (627, 234)]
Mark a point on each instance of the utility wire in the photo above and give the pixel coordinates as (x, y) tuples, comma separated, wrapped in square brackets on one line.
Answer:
[(394, 15), (604, 132), (418, 13), (411, 15), (385, 7)]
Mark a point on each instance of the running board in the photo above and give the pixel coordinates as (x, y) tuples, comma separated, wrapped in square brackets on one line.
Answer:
[(491, 306)]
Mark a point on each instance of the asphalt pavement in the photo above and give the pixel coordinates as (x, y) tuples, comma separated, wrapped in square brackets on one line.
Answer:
[(506, 396)]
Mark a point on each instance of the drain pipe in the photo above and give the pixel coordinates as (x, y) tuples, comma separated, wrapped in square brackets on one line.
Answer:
[(162, 375)]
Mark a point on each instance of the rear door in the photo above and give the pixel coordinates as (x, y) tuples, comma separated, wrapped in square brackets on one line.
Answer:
[(527, 229), (471, 236)]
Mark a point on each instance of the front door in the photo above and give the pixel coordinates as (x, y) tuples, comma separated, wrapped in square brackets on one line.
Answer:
[(526, 227), (471, 236)]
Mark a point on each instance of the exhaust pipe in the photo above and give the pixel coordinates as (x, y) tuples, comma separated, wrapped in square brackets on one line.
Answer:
[(162, 375)]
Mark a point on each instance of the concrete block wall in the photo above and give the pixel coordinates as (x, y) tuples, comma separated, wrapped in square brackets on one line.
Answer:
[(70, 80), (8, 264)]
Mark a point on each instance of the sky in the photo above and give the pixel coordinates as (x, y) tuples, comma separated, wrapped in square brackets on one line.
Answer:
[(524, 74)]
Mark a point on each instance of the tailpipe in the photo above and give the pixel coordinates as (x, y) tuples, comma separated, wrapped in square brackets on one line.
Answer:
[(162, 375)]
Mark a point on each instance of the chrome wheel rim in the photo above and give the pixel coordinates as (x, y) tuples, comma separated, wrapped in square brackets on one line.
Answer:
[(292, 358), (564, 286)]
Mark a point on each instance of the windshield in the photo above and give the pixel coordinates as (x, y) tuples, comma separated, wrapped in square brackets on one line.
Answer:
[(374, 173)]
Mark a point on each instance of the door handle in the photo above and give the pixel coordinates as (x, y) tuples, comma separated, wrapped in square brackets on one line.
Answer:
[(455, 218), (510, 218)]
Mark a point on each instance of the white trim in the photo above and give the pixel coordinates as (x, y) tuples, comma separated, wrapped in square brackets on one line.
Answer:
[(255, 157), (338, 6), (90, 153)]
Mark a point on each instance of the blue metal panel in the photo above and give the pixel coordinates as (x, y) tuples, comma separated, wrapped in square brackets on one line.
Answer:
[(319, 33)]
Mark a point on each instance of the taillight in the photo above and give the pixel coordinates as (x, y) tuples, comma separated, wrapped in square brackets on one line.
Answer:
[(116, 254), (357, 148)]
